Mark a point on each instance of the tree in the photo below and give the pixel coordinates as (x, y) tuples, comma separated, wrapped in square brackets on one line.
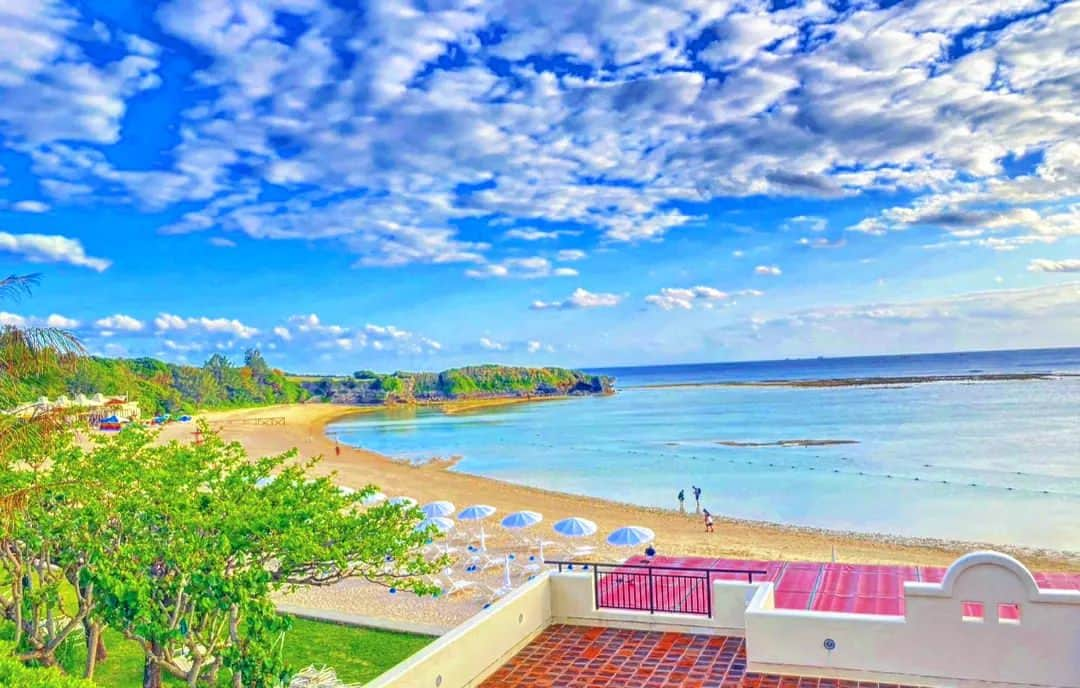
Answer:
[(254, 360), (202, 550), (14, 675), (30, 439)]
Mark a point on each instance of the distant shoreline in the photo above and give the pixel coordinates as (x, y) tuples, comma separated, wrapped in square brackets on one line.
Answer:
[(867, 381)]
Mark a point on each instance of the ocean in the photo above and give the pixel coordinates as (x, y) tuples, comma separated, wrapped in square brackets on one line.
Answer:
[(991, 461)]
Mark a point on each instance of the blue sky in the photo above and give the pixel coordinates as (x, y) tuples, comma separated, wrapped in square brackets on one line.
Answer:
[(394, 185)]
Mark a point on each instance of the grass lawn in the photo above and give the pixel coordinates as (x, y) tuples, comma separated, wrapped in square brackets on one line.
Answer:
[(356, 654)]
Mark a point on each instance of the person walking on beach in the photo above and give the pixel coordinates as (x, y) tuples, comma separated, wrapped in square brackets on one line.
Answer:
[(697, 499), (682, 498), (337, 449), (708, 522)]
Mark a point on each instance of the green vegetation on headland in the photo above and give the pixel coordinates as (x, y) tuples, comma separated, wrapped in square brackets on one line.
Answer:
[(161, 387), (456, 384)]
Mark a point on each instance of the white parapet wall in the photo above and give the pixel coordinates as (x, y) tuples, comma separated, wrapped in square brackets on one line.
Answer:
[(467, 655), (934, 643)]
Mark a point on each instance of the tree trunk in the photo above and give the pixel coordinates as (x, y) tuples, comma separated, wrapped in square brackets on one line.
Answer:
[(151, 677), (93, 643), (212, 672)]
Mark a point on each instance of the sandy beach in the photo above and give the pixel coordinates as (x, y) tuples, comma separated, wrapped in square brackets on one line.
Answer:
[(303, 427)]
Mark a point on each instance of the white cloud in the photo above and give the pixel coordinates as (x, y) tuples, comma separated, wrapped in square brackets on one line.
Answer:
[(31, 207), (821, 242), (810, 101), (61, 322), (533, 346), (51, 89), (50, 248), (671, 298), (741, 36), (491, 345), (1044, 265), (570, 255), (580, 298), (120, 322), (167, 322), (810, 223), (183, 347), (55, 321), (521, 268), (1004, 305), (772, 270), (12, 320), (222, 242), (310, 331), (310, 324), (533, 234)]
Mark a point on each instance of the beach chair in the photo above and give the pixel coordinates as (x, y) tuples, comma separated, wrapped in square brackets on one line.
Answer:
[(578, 551), (438, 549), (528, 564), (448, 585), (482, 562)]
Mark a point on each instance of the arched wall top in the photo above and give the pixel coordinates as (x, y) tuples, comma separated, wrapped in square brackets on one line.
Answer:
[(989, 558)]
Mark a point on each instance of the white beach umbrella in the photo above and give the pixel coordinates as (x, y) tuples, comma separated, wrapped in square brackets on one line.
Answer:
[(264, 482), (403, 501), (434, 509), (519, 520), (629, 536), (522, 519), (441, 523), (373, 499), (477, 512), (346, 490), (575, 527)]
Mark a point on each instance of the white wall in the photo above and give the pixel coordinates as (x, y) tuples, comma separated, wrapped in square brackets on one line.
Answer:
[(471, 652), (932, 644)]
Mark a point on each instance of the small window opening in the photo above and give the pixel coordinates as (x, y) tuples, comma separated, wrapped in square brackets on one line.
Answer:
[(973, 612), (1009, 613)]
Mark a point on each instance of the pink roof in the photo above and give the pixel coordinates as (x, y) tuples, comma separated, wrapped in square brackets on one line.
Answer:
[(852, 588)]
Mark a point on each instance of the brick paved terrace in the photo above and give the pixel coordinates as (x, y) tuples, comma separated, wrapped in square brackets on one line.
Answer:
[(569, 656)]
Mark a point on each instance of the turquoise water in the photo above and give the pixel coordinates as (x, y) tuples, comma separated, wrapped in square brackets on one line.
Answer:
[(995, 462)]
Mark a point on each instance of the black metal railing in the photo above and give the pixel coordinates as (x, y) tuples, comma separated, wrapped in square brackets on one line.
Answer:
[(648, 588)]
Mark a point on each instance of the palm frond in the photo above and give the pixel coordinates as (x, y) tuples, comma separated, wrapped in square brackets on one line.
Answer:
[(15, 287), (29, 350), (15, 503), (31, 435)]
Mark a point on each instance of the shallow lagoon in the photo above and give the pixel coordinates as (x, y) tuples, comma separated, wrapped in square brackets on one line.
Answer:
[(995, 462)]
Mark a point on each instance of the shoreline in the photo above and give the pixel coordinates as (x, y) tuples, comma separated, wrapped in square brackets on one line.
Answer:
[(677, 533), (894, 381)]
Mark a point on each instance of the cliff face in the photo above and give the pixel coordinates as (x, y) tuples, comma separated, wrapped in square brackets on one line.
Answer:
[(473, 382)]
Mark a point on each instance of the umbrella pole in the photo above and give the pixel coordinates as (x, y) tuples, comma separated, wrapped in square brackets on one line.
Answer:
[(483, 542)]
